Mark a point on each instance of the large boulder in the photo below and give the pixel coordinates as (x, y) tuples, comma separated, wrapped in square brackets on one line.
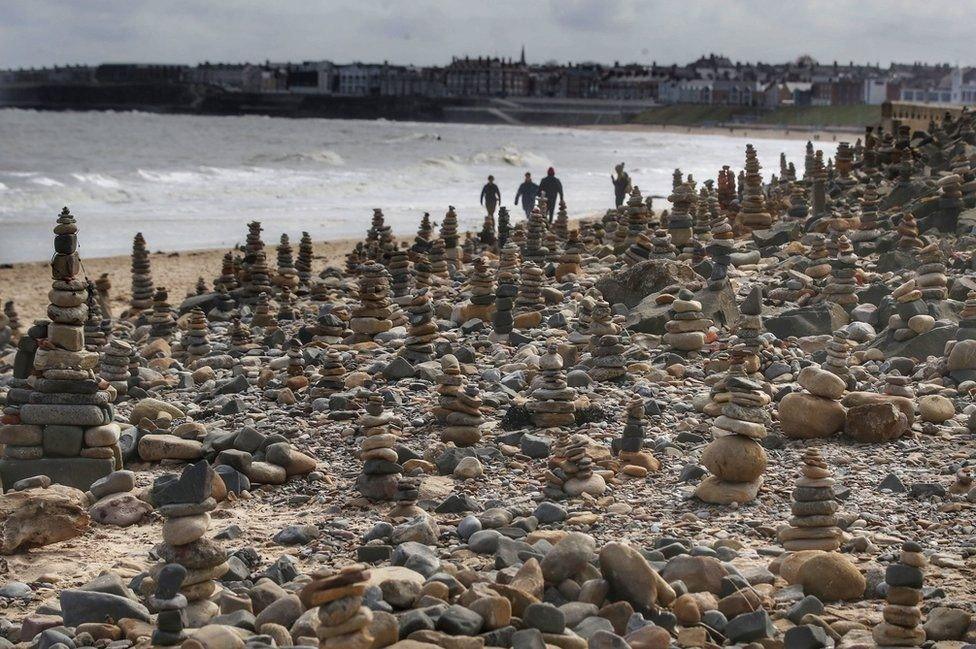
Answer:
[(719, 306), (39, 517), (875, 422), (831, 576), (804, 416), (630, 577), (821, 319), (632, 284), (920, 347)]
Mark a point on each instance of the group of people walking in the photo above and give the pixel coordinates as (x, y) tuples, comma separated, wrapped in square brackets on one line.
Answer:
[(552, 188), (527, 192)]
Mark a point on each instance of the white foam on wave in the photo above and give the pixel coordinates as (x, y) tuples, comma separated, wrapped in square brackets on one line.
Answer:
[(44, 181), (99, 180), (322, 156), (511, 155), (168, 176)]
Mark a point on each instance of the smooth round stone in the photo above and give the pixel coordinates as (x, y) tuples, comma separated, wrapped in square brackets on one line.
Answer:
[(821, 383), (735, 459), (185, 529)]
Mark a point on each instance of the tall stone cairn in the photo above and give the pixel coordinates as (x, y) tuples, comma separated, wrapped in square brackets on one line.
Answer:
[(142, 283), (64, 429)]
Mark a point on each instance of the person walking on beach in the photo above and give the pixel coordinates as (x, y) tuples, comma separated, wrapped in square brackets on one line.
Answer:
[(527, 191), (621, 184), (551, 187), (490, 196)]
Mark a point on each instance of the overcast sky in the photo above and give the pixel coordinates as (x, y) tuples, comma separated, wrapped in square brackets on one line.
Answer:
[(46, 32)]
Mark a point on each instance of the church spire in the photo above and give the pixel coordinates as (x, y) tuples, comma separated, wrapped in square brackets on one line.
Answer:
[(522, 59)]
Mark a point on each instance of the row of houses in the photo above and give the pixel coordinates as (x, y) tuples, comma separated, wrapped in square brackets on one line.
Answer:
[(711, 79)]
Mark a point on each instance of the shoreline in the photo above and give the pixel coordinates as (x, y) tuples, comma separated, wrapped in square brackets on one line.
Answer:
[(745, 131)]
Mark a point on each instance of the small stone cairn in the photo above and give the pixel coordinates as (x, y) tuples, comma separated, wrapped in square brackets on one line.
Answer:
[(114, 366), (373, 316), (196, 340), (343, 621), (142, 283), (162, 323), (735, 457), (287, 275), (902, 616), (381, 468), (606, 349), (632, 453), (419, 344), (814, 508), (458, 405), (169, 603), (687, 326), (552, 403), (753, 213), (185, 502)]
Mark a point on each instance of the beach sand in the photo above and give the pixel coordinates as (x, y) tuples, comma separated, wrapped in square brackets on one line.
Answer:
[(27, 284)]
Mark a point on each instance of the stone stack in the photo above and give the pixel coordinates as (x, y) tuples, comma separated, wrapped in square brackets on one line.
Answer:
[(142, 283), (606, 361), (63, 429), (680, 221), (509, 259), (930, 276), (898, 385), (296, 361), (259, 275), (868, 229), (449, 235), (839, 356), (343, 621), (287, 275), (303, 264), (504, 226), (798, 208), (185, 502), (501, 320), (632, 441), (841, 283), (287, 308), (406, 497), (265, 314), (571, 257), (195, 341), (458, 406), (241, 340), (331, 377), (488, 237), (571, 472), (226, 308), (373, 316), (950, 199), (818, 257), (535, 250), (381, 469), (103, 286), (816, 412), (162, 322), (908, 234), (482, 287), (753, 213), (95, 337), (400, 276), (530, 296), (422, 271), (637, 217), (169, 603), (114, 367), (332, 327), (902, 625), (438, 263), (734, 457), (419, 344), (908, 304), (200, 288), (661, 246), (707, 210), (552, 402), (720, 249), (425, 234), (560, 226), (843, 164), (380, 235), (687, 326), (814, 523), (228, 275), (640, 250), (553, 248)]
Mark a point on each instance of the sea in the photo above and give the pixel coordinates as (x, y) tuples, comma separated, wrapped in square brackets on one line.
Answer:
[(190, 182)]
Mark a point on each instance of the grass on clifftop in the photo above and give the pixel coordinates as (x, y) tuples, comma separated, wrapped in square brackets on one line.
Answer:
[(701, 115)]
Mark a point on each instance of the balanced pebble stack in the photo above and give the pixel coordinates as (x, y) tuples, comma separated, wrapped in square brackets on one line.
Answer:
[(814, 522)]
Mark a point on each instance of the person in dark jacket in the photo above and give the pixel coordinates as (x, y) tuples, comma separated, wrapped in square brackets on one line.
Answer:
[(552, 188), (621, 184), (490, 196), (527, 191)]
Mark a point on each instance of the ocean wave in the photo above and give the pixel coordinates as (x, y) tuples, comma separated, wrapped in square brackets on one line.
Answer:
[(99, 180), (322, 156), (168, 176), (44, 181), (512, 156)]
